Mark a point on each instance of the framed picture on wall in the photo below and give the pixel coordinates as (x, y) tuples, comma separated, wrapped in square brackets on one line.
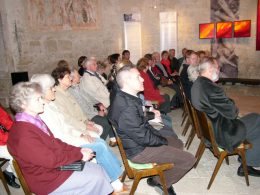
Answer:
[(242, 28), (206, 30), (224, 30)]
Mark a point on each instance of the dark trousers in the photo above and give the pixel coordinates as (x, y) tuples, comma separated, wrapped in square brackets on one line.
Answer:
[(252, 123), (172, 153), (107, 129), (165, 107)]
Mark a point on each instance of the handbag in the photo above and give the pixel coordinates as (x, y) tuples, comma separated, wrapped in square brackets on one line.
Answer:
[(75, 166)]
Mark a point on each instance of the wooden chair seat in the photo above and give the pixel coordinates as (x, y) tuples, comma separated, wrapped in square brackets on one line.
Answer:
[(22, 181), (208, 141), (138, 171)]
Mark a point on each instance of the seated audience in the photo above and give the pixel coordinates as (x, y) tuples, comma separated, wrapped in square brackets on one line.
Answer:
[(191, 60), (69, 107), (68, 134), (166, 62), (230, 130), (165, 85), (126, 57), (174, 61), (39, 153), (143, 143), (92, 86), (182, 60), (159, 68), (152, 93), (80, 64), (97, 112), (6, 123)]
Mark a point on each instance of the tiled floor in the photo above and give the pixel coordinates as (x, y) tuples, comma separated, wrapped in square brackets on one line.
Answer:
[(195, 182)]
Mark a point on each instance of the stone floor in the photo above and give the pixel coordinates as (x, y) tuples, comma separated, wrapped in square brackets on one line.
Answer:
[(195, 182)]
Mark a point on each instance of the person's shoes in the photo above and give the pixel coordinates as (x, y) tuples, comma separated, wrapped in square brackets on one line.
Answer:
[(239, 159), (251, 171), (153, 183), (171, 191), (10, 179), (112, 144)]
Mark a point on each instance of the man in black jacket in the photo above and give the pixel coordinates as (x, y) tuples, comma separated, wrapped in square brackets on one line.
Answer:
[(143, 143), (230, 130)]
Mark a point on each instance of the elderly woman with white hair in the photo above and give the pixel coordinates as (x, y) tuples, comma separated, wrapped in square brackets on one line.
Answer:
[(69, 134), (39, 153)]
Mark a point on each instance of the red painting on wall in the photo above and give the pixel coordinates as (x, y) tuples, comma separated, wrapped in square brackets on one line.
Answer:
[(207, 30), (224, 29), (242, 28), (258, 27)]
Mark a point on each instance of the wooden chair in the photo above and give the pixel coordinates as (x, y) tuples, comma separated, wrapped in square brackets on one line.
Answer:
[(2, 177), (138, 173), (23, 183), (184, 113), (194, 128), (208, 141)]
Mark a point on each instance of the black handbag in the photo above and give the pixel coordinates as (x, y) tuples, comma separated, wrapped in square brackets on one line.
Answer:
[(75, 166)]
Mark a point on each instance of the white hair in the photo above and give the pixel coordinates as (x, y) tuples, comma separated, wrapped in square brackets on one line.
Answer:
[(46, 81), (89, 62), (193, 73), (122, 74)]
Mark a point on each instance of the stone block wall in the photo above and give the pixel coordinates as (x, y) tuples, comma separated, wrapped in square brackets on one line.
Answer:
[(24, 48)]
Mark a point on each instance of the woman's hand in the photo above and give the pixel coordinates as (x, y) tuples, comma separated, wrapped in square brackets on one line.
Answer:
[(88, 138), (87, 153)]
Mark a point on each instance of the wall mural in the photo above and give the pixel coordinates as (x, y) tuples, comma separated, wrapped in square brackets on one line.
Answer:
[(62, 14), (224, 49)]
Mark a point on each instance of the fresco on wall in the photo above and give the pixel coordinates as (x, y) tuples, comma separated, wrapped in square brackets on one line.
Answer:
[(62, 14), (224, 49)]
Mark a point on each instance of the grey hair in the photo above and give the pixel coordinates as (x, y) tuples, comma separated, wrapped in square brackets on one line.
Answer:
[(21, 93), (206, 63), (88, 62), (46, 81), (122, 74), (193, 73)]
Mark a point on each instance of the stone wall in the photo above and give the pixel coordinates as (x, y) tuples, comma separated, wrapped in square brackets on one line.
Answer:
[(24, 48)]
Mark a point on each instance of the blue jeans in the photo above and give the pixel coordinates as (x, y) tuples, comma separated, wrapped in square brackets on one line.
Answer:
[(106, 158)]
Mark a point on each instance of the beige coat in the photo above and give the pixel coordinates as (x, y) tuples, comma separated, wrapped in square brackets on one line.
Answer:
[(72, 112), (93, 88)]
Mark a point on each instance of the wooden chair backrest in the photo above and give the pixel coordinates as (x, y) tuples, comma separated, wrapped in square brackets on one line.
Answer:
[(23, 183), (195, 121), (207, 132), (128, 169)]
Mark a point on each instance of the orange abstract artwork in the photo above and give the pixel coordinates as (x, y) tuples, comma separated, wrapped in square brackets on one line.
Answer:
[(207, 30), (224, 29), (242, 28)]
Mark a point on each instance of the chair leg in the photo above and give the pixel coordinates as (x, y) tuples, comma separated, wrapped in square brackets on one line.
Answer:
[(4, 183), (220, 160), (185, 129), (243, 158), (163, 182), (190, 139), (227, 160), (123, 176), (199, 153), (135, 184), (183, 119)]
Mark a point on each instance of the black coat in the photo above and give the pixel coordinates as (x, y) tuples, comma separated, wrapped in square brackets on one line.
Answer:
[(126, 114), (208, 97)]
